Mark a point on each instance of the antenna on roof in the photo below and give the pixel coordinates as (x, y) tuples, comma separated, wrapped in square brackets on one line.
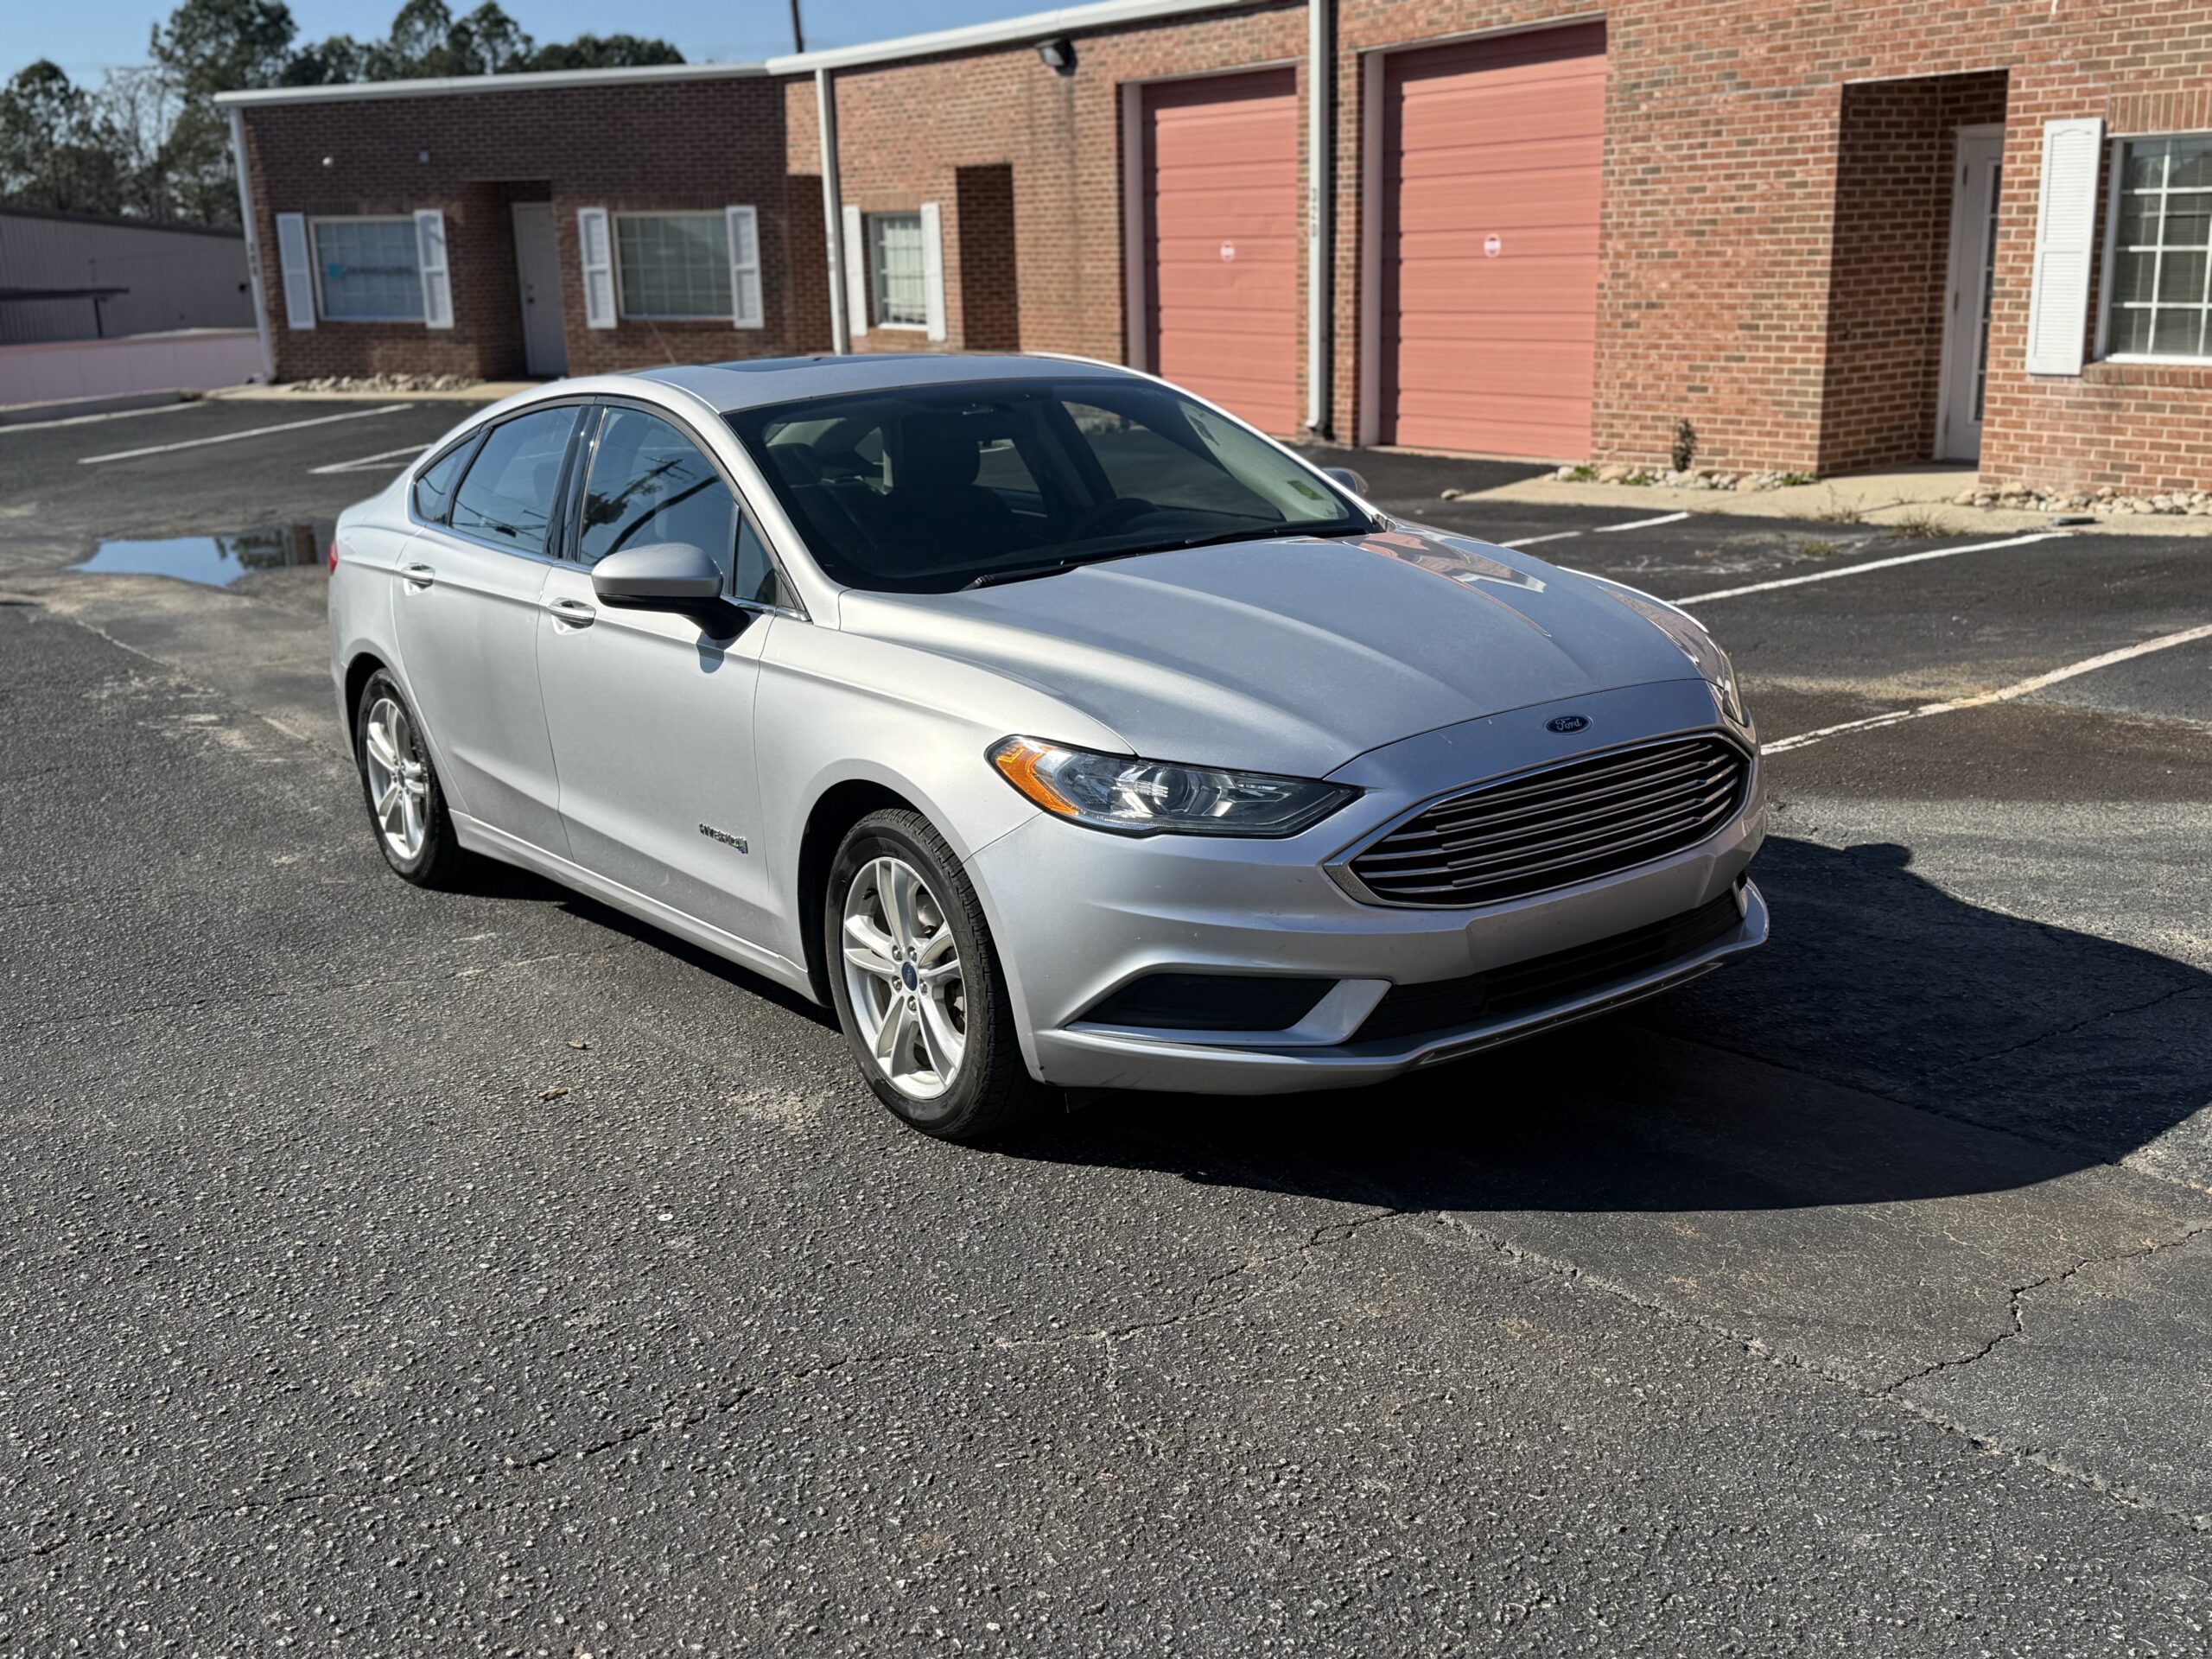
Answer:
[(798, 30)]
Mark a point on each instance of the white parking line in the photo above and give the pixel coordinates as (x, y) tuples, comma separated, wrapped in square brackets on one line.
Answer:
[(1597, 530), (1641, 524), (1871, 564), (86, 420), (2087, 665), (232, 438), (368, 463)]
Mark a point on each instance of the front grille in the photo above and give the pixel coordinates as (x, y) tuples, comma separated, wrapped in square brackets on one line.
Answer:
[(1559, 977), (1567, 823)]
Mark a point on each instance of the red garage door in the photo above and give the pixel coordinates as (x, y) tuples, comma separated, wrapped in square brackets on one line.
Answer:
[(1493, 155), (1221, 227)]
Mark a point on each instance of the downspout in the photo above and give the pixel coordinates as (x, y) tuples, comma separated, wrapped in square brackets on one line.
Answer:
[(252, 247), (1320, 176), (833, 210)]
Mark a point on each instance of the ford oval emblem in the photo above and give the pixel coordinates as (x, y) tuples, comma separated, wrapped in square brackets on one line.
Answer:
[(1565, 723)]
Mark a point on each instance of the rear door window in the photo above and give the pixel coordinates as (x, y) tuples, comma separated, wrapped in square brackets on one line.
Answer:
[(509, 495)]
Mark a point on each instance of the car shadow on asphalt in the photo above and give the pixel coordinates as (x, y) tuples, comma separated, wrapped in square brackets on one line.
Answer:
[(508, 881), (1892, 1042)]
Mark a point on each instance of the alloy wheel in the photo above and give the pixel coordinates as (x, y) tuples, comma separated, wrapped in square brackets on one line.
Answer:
[(399, 777), (902, 972)]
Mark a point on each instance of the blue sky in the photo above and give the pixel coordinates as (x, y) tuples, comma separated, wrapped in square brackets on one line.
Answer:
[(85, 36)]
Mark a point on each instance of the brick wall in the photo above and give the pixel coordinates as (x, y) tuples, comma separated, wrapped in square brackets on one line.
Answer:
[(912, 132), (1777, 181), (1724, 281), (641, 146), (2135, 426)]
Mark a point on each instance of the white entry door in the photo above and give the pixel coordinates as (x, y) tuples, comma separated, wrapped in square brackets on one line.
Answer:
[(1966, 303), (537, 263)]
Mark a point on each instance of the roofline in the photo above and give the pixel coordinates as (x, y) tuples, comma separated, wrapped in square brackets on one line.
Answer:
[(453, 86), (1035, 26), (124, 222)]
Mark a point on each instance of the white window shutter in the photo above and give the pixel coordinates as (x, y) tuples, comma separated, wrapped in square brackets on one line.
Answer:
[(2066, 221), (857, 308), (933, 267), (595, 243), (430, 256), (744, 268), (298, 266)]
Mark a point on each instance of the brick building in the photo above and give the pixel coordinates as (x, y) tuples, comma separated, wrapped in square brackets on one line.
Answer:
[(1828, 238)]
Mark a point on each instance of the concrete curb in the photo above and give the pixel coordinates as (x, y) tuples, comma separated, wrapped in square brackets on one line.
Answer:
[(1845, 501), (487, 391)]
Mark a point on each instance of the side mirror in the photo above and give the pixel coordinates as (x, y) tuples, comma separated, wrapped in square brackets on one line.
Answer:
[(665, 576), (1356, 482)]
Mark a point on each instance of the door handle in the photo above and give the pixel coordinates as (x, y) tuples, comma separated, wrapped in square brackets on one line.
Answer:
[(573, 611), (419, 576)]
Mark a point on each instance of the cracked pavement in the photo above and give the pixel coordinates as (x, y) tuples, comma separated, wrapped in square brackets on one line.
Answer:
[(388, 1272)]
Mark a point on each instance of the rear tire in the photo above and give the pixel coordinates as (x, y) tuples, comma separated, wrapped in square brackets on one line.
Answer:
[(407, 809), (917, 984)]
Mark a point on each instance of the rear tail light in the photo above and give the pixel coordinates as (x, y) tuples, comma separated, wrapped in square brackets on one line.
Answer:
[(334, 555)]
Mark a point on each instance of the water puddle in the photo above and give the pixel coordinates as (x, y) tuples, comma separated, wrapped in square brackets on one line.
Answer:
[(213, 561)]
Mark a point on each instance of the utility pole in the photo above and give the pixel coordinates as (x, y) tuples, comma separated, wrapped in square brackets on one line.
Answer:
[(798, 30)]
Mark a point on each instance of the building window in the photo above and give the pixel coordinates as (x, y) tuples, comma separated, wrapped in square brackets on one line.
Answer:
[(898, 284), (2162, 249), (367, 270), (673, 266)]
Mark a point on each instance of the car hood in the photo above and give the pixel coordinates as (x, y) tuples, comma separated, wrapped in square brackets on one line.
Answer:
[(1292, 654)]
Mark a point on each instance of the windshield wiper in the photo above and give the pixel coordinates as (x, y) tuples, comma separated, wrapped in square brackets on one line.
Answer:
[(1058, 567), (1251, 533), (998, 578)]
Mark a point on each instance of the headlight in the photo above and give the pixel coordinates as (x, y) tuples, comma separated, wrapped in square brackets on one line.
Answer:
[(1689, 635), (1145, 798)]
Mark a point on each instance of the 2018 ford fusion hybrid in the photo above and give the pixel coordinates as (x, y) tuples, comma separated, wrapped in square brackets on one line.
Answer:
[(1052, 725)]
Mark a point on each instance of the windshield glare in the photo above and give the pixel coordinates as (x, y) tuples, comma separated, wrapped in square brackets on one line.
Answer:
[(923, 489)]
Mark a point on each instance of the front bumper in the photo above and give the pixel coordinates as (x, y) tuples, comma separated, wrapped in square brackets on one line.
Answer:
[(1077, 915)]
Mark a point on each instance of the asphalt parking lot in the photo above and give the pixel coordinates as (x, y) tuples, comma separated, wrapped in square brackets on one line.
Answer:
[(389, 1272)]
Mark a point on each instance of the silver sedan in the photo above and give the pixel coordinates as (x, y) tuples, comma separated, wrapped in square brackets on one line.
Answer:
[(1057, 729)]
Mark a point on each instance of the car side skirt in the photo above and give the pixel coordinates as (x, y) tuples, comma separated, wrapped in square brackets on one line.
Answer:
[(480, 838)]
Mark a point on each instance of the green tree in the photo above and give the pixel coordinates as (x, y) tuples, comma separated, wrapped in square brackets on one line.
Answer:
[(417, 46), (332, 62), (152, 141), (222, 46), (602, 52), (488, 43), (209, 47), (55, 153), (426, 40)]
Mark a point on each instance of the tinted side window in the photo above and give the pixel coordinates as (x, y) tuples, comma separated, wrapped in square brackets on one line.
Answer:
[(434, 489), (508, 495), (650, 484)]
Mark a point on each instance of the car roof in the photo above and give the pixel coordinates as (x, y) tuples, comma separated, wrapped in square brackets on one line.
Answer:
[(750, 382)]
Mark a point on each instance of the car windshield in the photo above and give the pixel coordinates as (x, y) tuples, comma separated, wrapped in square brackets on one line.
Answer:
[(925, 489)]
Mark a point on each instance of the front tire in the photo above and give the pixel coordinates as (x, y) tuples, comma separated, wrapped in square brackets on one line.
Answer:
[(407, 810), (917, 984)]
